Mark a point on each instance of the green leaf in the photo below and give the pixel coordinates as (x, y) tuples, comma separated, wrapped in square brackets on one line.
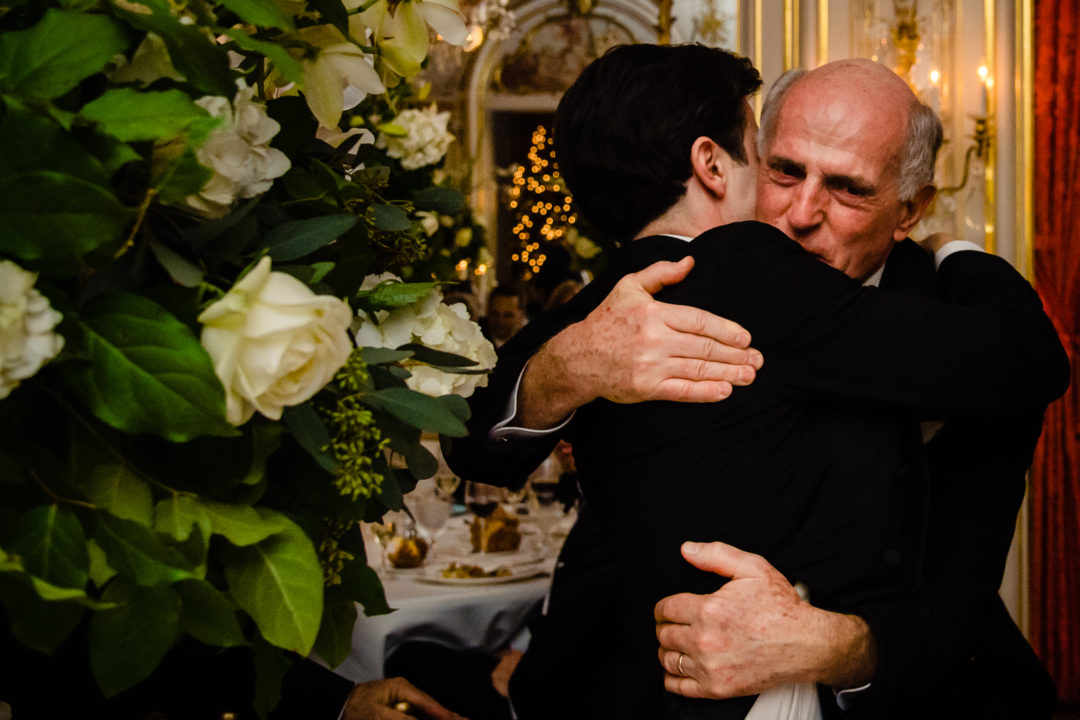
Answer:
[(334, 12), (334, 641), (131, 115), (47, 216), (437, 357), (147, 371), (202, 233), (194, 54), (389, 295), (52, 57), (100, 572), (310, 432), (178, 179), (178, 515), (207, 615), (279, 583), (378, 356), (456, 404), (392, 129), (39, 625), (266, 438), (242, 524), (391, 218), (271, 665), (362, 584), (298, 238), (128, 642), (138, 553), (289, 67), (51, 542), (260, 12), (180, 269), (417, 409), (106, 480), (30, 142), (440, 199)]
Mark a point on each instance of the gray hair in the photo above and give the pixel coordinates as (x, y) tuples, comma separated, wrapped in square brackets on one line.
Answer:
[(917, 157)]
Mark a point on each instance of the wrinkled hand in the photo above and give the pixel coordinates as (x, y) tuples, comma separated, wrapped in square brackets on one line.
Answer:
[(632, 348), (754, 633), (500, 676), (381, 699)]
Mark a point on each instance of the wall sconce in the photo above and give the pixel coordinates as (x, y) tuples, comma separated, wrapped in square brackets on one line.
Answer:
[(982, 138)]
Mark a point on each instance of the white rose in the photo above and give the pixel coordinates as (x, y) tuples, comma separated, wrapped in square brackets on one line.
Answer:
[(26, 322), (274, 342), (426, 139), (238, 151), (432, 323)]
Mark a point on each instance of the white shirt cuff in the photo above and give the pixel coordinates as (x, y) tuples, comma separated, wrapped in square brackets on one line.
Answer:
[(954, 246), (843, 696), (503, 428)]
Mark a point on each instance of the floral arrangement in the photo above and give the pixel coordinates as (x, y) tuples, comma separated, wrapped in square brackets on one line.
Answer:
[(199, 390)]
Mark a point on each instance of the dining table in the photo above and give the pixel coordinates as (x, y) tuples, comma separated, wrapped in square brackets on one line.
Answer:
[(484, 614)]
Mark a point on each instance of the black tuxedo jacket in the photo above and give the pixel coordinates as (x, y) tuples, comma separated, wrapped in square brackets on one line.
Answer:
[(825, 495), (952, 650)]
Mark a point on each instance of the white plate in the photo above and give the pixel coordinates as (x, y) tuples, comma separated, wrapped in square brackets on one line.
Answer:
[(433, 574)]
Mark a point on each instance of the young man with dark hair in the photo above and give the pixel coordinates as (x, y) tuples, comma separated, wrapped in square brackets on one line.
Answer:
[(825, 494)]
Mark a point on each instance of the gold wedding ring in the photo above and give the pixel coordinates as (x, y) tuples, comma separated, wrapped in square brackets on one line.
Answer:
[(403, 706), (679, 664)]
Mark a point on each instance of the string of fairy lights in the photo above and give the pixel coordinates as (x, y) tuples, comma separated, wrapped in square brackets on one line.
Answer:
[(540, 203)]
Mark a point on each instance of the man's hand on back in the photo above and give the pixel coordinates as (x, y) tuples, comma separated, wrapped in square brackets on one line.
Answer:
[(754, 633), (632, 348)]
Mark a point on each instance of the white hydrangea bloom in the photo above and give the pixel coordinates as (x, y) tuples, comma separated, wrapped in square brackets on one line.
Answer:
[(432, 323), (425, 142), (26, 322), (238, 151)]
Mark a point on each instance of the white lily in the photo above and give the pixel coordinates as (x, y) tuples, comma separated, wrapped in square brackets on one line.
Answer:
[(338, 77)]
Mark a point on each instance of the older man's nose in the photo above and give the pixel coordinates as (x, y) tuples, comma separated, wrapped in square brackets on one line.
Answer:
[(807, 209)]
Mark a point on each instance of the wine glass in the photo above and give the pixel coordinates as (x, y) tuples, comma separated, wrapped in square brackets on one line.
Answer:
[(430, 508), (445, 485), (482, 499), (545, 508)]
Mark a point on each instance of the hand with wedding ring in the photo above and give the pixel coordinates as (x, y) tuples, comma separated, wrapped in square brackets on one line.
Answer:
[(754, 633)]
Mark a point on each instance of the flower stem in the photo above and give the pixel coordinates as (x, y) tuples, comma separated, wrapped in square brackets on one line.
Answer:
[(56, 498), (143, 207)]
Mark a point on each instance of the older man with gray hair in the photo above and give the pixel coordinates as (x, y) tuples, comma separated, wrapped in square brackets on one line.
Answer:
[(845, 172)]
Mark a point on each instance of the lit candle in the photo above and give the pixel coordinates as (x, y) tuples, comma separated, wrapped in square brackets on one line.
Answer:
[(984, 74)]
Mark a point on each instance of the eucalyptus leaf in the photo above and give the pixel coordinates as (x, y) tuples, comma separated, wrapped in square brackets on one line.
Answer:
[(40, 212), (52, 545), (244, 525), (278, 582), (440, 199), (130, 115), (52, 57), (437, 357), (199, 235), (208, 615), (178, 515), (138, 553), (391, 218), (147, 372), (310, 432), (260, 12), (390, 295), (417, 409), (298, 238), (456, 404), (290, 68), (180, 269), (379, 356), (128, 642), (334, 641)]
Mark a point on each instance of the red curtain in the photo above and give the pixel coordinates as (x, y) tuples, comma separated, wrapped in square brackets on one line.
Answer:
[(1055, 493)]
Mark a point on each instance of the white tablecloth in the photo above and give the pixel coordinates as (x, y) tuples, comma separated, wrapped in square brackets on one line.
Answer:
[(485, 617)]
